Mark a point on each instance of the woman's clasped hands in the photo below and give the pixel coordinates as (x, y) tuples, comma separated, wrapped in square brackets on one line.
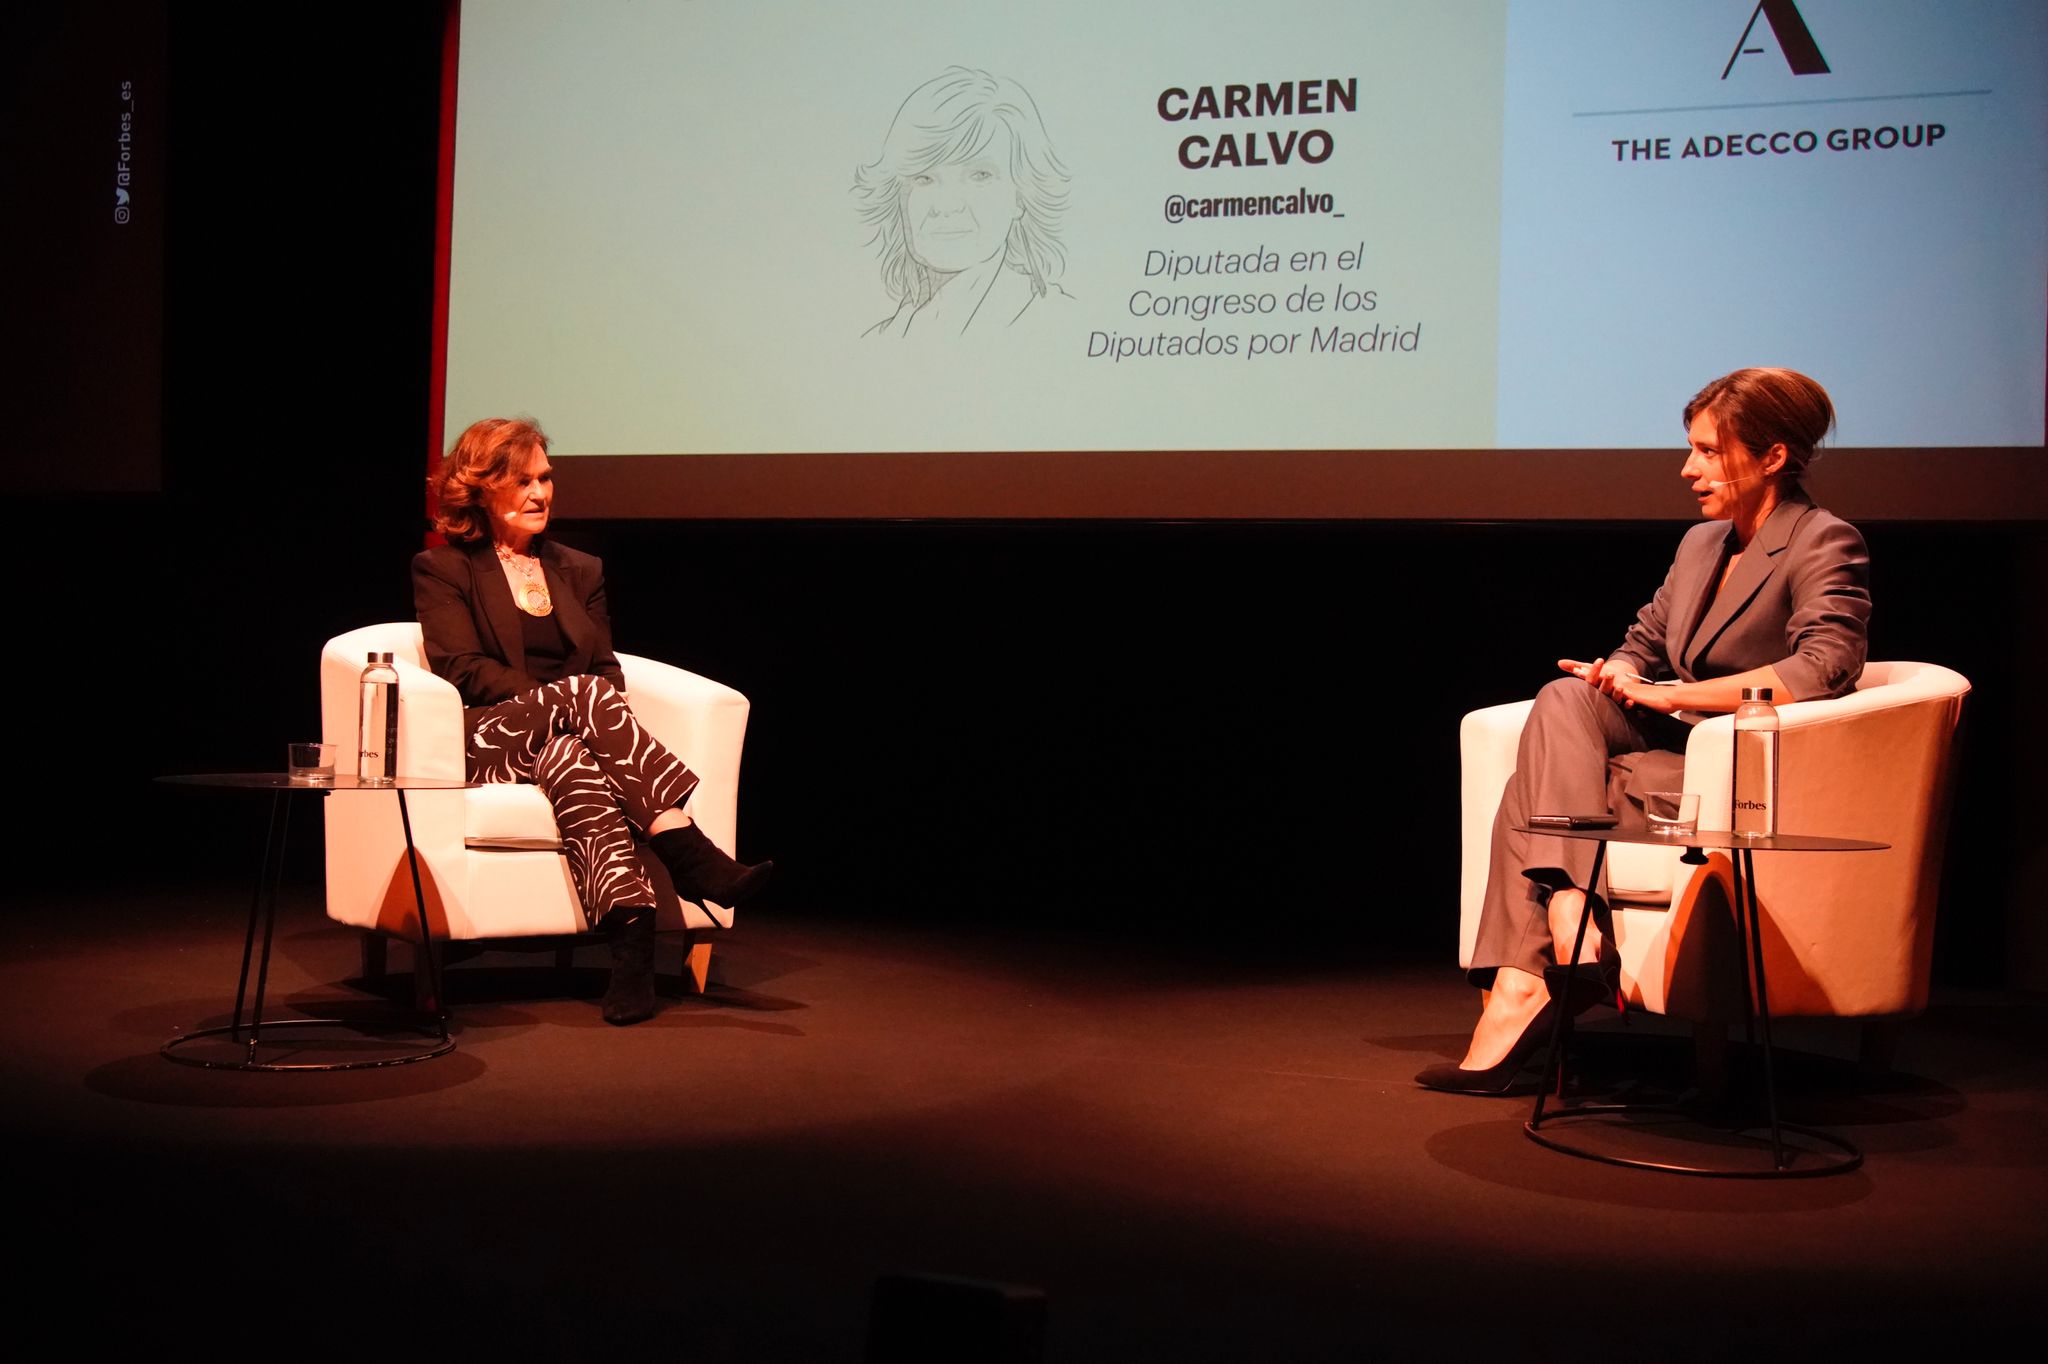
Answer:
[(1621, 682)]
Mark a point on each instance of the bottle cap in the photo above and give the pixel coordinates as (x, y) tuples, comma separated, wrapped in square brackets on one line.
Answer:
[(1756, 693), (385, 657)]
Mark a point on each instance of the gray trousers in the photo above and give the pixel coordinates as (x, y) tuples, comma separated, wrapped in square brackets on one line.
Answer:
[(1581, 752)]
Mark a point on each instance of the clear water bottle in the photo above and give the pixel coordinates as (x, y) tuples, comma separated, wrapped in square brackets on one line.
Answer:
[(377, 723), (1755, 798)]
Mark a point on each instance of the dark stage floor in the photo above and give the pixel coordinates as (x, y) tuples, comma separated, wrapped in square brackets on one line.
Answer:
[(1198, 1150)]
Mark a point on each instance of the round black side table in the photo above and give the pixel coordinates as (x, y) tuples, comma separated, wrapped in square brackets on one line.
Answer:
[(432, 1028), (1835, 1154)]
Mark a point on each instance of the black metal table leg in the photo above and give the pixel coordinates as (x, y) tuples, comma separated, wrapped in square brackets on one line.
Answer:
[(1839, 1156), (270, 843), (263, 906), (1560, 1027), (1753, 948), (269, 879), (427, 964)]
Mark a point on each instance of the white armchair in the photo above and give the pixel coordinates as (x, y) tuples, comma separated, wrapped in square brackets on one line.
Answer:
[(1844, 934), (490, 857)]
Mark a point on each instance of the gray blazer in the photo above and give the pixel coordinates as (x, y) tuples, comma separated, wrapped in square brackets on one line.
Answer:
[(1799, 601), (470, 624)]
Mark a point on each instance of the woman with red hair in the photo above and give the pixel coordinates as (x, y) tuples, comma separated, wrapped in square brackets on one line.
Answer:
[(519, 624)]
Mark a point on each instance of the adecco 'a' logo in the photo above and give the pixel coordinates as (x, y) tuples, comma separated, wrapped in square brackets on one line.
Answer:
[(1795, 39)]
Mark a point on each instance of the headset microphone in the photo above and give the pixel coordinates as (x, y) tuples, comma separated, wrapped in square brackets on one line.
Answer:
[(1730, 482)]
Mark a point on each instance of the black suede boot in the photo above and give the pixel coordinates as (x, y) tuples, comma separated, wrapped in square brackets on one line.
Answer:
[(702, 872), (629, 998)]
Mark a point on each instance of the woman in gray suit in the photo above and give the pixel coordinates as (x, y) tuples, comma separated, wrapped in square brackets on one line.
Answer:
[(1770, 592), (519, 624)]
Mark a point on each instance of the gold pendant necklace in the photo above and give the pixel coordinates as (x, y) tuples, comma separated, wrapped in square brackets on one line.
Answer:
[(531, 594)]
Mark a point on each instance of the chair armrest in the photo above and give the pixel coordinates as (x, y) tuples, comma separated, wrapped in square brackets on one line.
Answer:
[(652, 684), (430, 737), (1487, 743), (1710, 750), (1847, 933), (368, 884), (702, 722)]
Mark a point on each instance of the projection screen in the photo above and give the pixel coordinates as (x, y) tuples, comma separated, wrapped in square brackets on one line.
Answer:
[(1369, 258)]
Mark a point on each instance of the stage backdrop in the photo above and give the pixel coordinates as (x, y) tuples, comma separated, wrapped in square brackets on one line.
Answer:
[(1161, 259)]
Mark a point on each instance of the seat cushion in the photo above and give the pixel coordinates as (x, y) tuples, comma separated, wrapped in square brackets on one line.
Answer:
[(508, 815)]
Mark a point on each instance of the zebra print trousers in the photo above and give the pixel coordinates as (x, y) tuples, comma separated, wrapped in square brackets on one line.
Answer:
[(607, 778)]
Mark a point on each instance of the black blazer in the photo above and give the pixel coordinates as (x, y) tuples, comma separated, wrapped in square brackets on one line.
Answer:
[(471, 625)]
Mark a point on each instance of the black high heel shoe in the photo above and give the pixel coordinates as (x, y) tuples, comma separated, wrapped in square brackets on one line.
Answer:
[(701, 871), (1452, 1078)]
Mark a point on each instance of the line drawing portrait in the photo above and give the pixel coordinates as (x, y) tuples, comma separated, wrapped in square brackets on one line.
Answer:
[(965, 202)]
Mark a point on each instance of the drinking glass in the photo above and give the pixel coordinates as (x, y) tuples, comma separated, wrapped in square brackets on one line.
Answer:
[(1671, 814), (310, 764)]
